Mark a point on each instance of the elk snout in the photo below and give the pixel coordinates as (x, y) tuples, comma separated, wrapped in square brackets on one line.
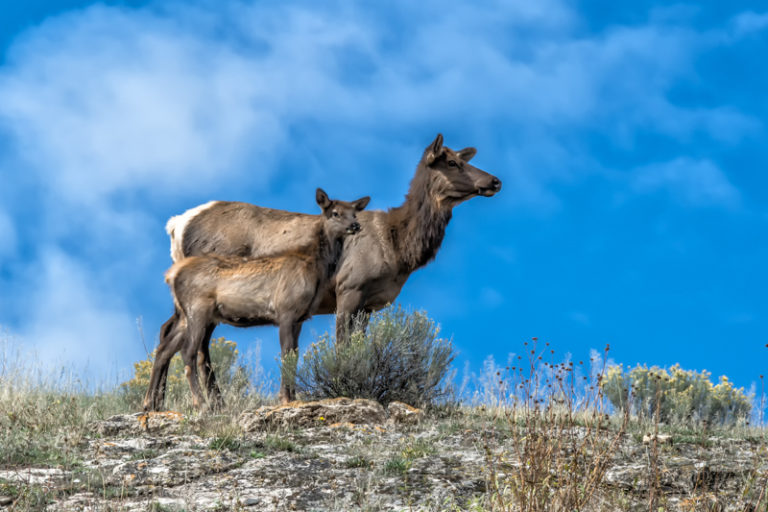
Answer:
[(490, 187), (353, 228)]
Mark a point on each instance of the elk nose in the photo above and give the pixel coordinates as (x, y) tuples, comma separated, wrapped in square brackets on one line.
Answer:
[(355, 227), (496, 184)]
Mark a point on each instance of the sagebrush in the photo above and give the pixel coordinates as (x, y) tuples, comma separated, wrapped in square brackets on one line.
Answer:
[(400, 357), (680, 396)]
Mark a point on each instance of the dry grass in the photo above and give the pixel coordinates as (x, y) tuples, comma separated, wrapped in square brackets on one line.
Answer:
[(47, 416), (44, 415), (562, 439)]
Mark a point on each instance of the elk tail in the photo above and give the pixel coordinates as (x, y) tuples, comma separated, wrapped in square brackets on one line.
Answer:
[(176, 226)]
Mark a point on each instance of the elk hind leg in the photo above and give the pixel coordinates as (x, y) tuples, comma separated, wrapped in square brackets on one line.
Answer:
[(171, 338)]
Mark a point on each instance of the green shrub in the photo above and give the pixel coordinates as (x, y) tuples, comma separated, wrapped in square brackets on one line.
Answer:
[(399, 358), (232, 375), (683, 396)]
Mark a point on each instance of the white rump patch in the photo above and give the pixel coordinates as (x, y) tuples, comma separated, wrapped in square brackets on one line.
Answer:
[(177, 224)]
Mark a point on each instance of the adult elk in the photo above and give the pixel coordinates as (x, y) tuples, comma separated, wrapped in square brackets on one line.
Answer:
[(375, 264), (281, 290)]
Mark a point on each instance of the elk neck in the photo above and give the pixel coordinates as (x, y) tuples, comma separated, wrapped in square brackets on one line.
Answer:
[(329, 251), (417, 227)]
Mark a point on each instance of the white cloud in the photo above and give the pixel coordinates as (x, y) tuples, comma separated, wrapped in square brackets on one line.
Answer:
[(177, 99), (694, 182), (106, 100), (73, 319), (113, 111)]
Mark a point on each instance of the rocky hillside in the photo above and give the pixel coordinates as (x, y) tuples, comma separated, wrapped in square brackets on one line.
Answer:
[(354, 455)]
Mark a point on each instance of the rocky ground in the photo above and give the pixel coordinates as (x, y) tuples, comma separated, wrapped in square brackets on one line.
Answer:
[(353, 455)]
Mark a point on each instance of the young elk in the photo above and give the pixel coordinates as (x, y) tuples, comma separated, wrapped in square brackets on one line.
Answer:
[(282, 290)]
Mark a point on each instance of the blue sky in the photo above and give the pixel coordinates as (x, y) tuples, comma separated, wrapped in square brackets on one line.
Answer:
[(631, 141)]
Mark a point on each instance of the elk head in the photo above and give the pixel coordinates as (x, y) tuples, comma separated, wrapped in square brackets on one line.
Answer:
[(340, 216), (453, 179)]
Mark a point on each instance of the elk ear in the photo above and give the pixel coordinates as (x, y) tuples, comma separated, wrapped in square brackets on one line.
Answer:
[(361, 203), (467, 154), (322, 198), (434, 149)]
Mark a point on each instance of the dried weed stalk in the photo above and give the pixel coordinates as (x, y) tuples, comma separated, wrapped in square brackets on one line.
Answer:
[(562, 439)]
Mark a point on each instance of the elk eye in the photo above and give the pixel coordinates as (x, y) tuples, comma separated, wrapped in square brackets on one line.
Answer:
[(452, 163), (335, 213)]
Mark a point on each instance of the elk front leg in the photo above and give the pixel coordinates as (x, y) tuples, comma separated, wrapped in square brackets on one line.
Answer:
[(192, 346), (289, 345), (349, 303)]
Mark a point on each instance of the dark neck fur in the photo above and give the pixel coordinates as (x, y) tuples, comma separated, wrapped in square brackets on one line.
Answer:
[(329, 252), (417, 226)]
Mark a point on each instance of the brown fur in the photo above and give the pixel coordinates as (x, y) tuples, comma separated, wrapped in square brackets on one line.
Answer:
[(281, 290)]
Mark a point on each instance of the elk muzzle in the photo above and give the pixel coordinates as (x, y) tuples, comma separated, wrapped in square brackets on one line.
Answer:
[(489, 187)]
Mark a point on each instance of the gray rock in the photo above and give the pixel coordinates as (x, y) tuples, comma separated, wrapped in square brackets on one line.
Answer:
[(131, 424), (313, 414), (404, 413)]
